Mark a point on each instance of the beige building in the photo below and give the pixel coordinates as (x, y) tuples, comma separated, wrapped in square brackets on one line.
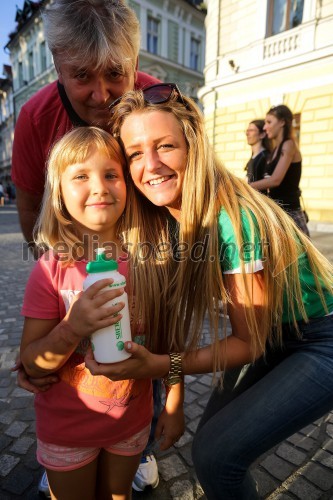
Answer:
[(261, 53)]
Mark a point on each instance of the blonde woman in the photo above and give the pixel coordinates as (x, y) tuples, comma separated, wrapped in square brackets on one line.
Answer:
[(213, 238)]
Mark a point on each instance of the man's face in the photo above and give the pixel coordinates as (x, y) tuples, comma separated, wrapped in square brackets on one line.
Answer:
[(90, 92)]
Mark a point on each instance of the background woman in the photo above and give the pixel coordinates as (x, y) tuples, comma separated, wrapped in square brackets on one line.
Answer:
[(285, 166), (279, 303), (260, 146)]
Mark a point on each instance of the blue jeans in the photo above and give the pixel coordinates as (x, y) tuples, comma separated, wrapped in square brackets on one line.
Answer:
[(261, 405)]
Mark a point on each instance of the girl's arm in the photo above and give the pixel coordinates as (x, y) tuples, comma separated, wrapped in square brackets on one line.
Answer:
[(286, 158), (235, 350), (47, 344)]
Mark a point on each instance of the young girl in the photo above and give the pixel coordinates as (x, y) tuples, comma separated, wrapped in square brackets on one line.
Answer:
[(276, 288), (284, 168), (91, 431)]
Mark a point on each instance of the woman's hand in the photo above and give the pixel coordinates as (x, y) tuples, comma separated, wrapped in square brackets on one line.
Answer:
[(142, 364), (171, 423), (170, 427)]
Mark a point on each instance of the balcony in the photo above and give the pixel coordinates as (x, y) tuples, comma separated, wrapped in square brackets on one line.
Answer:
[(290, 43)]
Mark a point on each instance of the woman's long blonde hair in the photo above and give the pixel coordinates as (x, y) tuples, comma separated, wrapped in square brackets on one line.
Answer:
[(54, 228), (174, 292)]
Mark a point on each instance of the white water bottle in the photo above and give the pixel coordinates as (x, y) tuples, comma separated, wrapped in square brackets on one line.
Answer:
[(108, 343)]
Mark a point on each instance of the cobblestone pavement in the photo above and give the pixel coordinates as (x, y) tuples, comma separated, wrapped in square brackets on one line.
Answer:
[(299, 468)]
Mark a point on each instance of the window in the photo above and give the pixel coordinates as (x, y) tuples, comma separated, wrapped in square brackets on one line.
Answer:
[(173, 40), (152, 34), (20, 74), (2, 118), (194, 54), (42, 57), (31, 65), (284, 15)]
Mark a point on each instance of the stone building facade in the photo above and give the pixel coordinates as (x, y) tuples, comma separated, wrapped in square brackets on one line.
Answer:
[(6, 124)]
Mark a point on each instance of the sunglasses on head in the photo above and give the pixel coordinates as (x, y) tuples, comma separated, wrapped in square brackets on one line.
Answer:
[(157, 94)]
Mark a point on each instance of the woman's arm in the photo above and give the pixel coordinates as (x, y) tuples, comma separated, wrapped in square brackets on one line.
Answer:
[(235, 350), (171, 423), (287, 155)]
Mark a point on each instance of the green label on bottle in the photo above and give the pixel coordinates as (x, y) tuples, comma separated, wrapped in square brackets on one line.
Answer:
[(119, 333), (121, 283)]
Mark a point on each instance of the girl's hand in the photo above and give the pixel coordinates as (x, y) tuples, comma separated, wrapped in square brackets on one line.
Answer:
[(143, 364), (89, 310)]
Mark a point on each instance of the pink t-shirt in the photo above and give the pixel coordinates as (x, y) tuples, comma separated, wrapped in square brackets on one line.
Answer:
[(82, 409)]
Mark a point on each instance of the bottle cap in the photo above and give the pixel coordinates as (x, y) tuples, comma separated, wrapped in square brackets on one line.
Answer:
[(101, 264)]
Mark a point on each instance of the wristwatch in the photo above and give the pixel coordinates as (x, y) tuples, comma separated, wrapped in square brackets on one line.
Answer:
[(175, 374)]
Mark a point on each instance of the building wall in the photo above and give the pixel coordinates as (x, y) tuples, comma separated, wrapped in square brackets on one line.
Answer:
[(6, 126), (245, 76), (178, 24), (34, 73)]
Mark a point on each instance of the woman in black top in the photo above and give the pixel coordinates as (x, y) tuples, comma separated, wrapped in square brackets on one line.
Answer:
[(284, 169), (260, 145)]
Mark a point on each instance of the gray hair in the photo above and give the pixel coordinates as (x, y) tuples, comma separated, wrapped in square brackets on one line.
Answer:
[(93, 33)]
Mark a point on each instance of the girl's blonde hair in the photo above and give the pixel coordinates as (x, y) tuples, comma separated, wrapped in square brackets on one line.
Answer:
[(54, 228), (174, 291)]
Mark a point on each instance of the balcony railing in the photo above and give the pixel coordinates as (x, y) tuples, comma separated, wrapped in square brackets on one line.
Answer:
[(281, 44)]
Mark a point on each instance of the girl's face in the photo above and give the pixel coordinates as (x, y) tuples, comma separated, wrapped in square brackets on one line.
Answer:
[(94, 193), (273, 127), (157, 153)]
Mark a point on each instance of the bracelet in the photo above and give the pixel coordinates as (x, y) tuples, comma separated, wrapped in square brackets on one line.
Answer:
[(175, 374)]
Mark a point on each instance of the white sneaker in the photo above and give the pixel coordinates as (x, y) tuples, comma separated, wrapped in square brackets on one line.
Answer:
[(43, 486), (147, 474)]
